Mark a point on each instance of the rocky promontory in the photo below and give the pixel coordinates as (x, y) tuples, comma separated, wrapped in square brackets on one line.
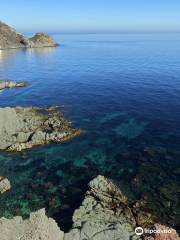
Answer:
[(11, 84), (10, 38), (107, 214), (41, 39), (104, 214), (22, 128)]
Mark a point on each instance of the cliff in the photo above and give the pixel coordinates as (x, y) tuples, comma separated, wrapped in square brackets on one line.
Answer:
[(10, 38)]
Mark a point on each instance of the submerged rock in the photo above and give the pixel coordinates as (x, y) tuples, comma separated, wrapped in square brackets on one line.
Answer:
[(131, 129), (37, 227), (4, 185), (23, 128), (11, 84), (10, 38)]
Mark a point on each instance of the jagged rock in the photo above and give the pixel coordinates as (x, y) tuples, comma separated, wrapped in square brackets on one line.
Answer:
[(11, 84), (106, 214), (23, 128), (41, 40), (103, 215), (37, 227), (163, 233), (4, 184), (9, 38)]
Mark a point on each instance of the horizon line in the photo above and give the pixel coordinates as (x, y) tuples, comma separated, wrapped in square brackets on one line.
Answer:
[(98, 31)]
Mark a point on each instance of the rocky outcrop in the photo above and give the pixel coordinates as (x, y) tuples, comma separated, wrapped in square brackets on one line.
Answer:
[(41, 40), (11, 84), (37, 227), (107, 214), (104, 214), (23, 128), (10, 38), (4, 185)]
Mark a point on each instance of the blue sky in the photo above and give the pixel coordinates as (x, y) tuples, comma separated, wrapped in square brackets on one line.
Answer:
[(92, 15)]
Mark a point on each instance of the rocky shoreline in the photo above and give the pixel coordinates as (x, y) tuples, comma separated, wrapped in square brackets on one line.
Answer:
[(10, 39), (105, 214), (23, 128), (12, 84)]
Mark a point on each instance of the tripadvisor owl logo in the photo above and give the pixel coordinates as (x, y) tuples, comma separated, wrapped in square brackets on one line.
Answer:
[(139, 231)]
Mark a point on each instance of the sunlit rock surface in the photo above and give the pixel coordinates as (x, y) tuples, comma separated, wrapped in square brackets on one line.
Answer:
[(11, 84), (10, 38), (23, 128), (104, 214), (41, 39), (5, 185), (37, 227)]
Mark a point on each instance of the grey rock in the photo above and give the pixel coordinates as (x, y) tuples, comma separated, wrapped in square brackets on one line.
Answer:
[(41, 40), (10, 38), (5, 185), (103, 215), (11, 84), (37, 227), (23, 128)]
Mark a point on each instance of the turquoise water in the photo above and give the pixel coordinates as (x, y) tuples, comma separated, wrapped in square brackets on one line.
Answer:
[(124, 90)]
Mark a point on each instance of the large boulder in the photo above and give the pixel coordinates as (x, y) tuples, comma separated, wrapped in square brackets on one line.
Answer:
[(10, 38), (37, 227), (23, 128)]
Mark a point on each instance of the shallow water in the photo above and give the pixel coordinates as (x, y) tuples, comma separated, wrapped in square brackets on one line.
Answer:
[(124, 90)]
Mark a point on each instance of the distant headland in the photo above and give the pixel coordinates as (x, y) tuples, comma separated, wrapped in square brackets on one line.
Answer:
[(10, 38)]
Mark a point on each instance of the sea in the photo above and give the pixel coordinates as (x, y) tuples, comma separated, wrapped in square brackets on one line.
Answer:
[(124, 91)]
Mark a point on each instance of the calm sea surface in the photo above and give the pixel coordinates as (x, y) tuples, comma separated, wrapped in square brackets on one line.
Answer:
[(124, 90)]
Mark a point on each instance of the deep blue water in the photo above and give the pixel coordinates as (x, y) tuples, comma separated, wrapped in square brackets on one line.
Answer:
[(124, 90)]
